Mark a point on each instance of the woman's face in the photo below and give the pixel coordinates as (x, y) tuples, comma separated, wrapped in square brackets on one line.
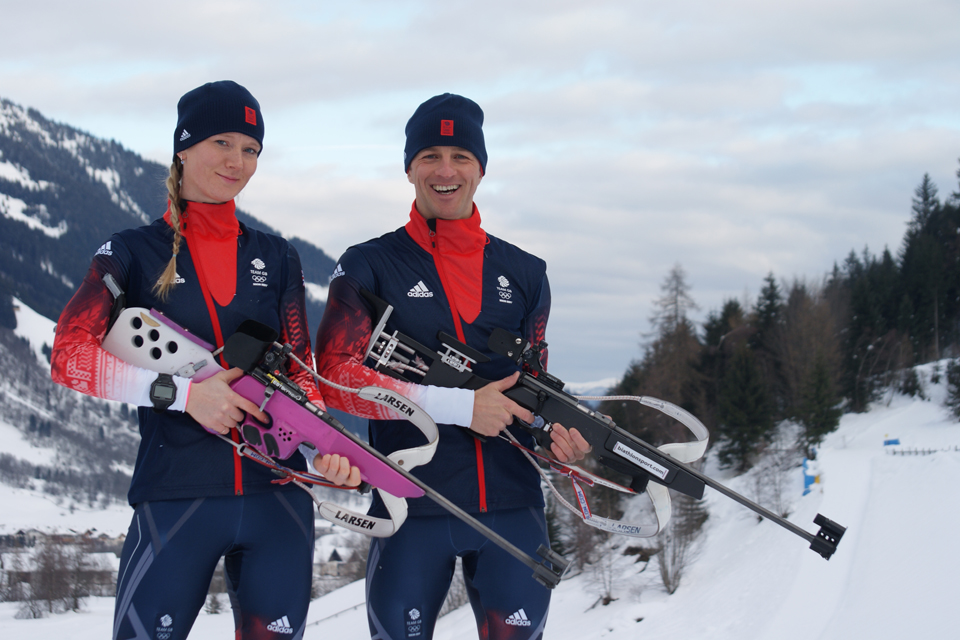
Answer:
[(218, 168)]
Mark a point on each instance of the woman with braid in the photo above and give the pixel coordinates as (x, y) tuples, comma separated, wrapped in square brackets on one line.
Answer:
[(195, 500)]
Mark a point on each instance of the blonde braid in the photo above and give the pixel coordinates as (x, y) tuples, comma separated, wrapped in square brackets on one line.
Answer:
[(167, 279)]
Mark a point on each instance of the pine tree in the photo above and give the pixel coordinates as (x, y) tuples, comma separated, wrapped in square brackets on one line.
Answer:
[(768, 318), (718, 337), (717, 326), (668, 369), (923, 258), (819, 412), (953, 387), (677, 541), (672, 308), (925, 206), (745, 418), (768, 313), (555, 533)]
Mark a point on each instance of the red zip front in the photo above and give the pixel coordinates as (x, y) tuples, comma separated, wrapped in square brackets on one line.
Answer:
[(481, 481), (218, 335), (447, 290)]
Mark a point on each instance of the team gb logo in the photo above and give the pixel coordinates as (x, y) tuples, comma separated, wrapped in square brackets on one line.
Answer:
[(258, 273)]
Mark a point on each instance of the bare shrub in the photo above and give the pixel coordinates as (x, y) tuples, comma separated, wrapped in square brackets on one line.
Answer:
[(772, 473), (677, 540), (603, 573)]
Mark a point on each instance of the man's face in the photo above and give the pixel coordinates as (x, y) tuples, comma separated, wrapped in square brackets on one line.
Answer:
[(445, 179)]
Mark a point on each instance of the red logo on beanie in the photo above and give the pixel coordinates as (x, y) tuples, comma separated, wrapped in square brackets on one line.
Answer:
[(446, 127), (251, 116)]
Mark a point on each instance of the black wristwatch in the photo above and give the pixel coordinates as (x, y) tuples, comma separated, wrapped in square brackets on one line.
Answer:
[(163, 392)]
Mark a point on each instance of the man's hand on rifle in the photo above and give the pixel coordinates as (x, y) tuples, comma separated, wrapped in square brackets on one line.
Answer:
[(492, 411), (568, 445)]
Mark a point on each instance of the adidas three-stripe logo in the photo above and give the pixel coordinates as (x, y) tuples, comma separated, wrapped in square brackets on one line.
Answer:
[(280, 626), (420, 291), (518, 619)]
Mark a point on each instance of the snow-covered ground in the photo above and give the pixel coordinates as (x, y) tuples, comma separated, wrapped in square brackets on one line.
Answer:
[(893, 576), (37, 329)]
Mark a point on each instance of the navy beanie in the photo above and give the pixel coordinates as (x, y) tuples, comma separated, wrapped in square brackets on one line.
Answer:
[(447, 120), (216, 107)]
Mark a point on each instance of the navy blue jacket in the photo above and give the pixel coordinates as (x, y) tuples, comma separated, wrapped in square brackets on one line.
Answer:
[(515, 297)]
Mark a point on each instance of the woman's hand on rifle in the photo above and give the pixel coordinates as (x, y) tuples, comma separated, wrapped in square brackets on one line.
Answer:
[(337, 469), (219, 408)]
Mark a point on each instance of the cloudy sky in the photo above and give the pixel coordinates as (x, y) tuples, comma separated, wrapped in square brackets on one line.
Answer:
[(736, 138)]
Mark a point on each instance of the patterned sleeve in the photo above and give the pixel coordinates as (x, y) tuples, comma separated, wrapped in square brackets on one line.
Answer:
[(342, 341), (78, 362), (294, 331), (535, 324)]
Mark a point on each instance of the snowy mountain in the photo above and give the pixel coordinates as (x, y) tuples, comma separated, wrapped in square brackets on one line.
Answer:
[(893, 575)]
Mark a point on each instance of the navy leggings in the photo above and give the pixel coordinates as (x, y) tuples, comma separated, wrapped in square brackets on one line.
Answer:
[(409, 574), (172, 550)]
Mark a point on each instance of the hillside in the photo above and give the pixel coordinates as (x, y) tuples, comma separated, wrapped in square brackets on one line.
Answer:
[(59, 450)]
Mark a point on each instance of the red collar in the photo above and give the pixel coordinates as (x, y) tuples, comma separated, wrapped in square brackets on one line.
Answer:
[(209, 221), (457, 250), (211, 232), (460, 237)]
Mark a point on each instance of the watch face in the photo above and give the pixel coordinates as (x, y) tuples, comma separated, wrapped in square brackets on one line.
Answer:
[(163, 392)]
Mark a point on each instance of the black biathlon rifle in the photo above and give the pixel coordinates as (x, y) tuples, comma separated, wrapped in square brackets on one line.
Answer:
[(541, 393)]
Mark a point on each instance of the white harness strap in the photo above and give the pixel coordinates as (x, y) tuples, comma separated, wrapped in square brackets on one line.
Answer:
[(406, 459)]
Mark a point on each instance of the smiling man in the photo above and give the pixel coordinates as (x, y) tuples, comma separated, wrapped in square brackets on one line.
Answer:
[(443, 272)]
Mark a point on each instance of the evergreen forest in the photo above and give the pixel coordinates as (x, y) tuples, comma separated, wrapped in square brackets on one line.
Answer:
[(804, 351)]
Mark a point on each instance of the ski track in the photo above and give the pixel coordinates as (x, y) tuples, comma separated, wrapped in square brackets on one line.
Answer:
[(914, 571)]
